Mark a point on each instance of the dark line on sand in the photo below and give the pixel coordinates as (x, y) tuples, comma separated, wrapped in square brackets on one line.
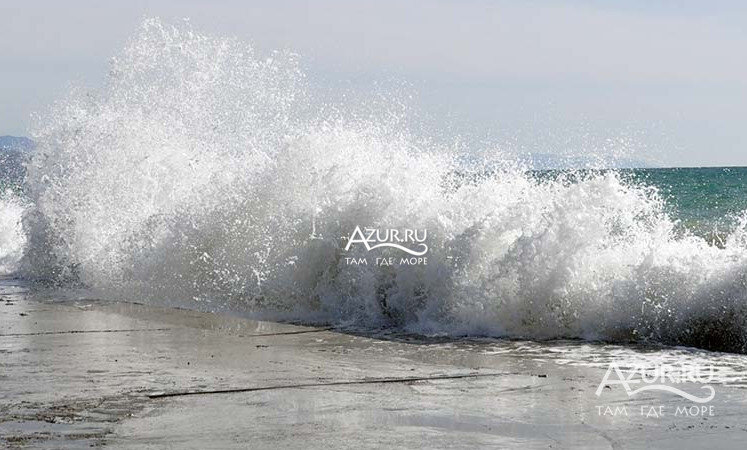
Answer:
[(43, 333), (134, 330), (331, 383), (282, 333)]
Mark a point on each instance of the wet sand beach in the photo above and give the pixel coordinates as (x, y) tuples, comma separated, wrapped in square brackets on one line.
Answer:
[(88, 373)]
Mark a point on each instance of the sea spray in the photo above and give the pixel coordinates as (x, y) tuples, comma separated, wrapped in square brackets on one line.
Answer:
[(206, 176), (12, 237)]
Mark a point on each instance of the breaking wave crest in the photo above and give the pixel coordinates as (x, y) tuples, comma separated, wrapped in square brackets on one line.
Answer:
[(205, 176)]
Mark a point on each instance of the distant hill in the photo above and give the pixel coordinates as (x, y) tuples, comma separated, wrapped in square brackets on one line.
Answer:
[(13, 153), (16, 143)]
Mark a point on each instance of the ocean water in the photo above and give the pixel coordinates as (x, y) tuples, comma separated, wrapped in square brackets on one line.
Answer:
[(206, 176), (709, 202)]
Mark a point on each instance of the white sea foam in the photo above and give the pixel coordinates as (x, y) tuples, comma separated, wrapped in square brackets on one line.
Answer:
[(203, 175), (12, 237)]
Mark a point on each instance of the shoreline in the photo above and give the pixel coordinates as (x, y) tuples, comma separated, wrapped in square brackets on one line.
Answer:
[(86, 373)]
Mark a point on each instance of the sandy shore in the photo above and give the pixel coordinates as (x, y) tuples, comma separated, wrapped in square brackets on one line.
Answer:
[(88, 373)]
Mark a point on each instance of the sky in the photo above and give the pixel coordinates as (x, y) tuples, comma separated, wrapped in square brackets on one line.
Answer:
[(662, 81)]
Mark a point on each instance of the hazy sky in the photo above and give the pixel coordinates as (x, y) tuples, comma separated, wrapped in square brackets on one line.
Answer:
[(664, 80)]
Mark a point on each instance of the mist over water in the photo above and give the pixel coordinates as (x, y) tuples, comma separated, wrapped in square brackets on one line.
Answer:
[(206, 176)]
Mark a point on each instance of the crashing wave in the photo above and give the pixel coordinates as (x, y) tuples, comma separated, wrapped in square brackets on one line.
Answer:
[(204, 175)]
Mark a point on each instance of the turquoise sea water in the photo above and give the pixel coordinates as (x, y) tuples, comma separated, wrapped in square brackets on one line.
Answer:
[(705, 201)]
